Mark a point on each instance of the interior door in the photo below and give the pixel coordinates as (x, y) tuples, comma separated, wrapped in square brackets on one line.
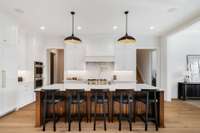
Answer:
[(52, 62)]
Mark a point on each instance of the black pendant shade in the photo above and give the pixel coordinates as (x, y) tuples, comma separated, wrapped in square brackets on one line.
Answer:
[(72, 39), (126, 39)]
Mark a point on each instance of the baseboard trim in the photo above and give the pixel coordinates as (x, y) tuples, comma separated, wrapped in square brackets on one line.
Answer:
[(7, 113)]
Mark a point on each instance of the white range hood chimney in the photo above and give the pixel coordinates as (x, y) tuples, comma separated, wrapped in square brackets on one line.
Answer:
[(99, 59)]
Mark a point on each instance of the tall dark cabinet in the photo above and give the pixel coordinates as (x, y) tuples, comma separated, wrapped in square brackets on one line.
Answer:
[(38, 74)]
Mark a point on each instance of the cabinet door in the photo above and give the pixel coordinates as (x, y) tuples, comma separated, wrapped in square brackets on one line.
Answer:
[(125, 58), (74, 57), (1, 80), (9, 60), (119, 57), (8, 31), (22, 51), (10, 95), (9, 77), (8, 64)]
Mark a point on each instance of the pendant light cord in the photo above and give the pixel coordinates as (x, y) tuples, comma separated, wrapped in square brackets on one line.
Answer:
[(126, 13), (72, 22)]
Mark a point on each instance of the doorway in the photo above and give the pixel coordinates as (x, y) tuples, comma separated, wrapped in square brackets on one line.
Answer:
[(146, 66), (52, 64), (56, 66)]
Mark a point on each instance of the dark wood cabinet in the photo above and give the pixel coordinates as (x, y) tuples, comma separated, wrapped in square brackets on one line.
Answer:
[(188, 90)]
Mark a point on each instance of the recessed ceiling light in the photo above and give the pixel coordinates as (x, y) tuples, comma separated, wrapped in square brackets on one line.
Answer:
[(151, 27), (42, 28), (17, 10), (79, 28), (115, 27), (173, 9)]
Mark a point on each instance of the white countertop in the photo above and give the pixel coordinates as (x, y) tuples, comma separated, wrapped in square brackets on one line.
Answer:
[(111, 87)]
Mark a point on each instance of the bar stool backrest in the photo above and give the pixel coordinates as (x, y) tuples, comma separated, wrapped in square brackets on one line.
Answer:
[(75, 93), (100, 93), (124, 93), (151, 93), (50, 94)]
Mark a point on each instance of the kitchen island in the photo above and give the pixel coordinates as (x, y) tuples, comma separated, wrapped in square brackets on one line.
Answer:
[(112, 87)]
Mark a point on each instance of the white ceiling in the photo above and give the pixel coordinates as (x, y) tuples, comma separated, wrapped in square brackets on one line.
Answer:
[(193, 30), (99, 16)]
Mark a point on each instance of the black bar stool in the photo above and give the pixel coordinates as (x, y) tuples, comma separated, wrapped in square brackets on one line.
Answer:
[(149, 98), (100, 96), (124, 97), (76, 97), (50, 99)]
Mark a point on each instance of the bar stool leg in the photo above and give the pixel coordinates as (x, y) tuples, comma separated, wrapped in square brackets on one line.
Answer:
[(54, 117), (156, 115), (66, 111), (104, 114), (95, 113), (87, 111), (112, 109), (90, 113), (147, 114), (134, 110), (130, 116), (79, 116), (69, 114), (120, 113), (44, 115), (108, 111)]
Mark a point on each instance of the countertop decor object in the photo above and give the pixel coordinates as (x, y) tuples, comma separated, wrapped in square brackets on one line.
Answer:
[(20, 79), (193, 66), (72, 39), (126, 39)]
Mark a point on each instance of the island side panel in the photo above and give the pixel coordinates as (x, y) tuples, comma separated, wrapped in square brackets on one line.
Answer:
[(38, 109)]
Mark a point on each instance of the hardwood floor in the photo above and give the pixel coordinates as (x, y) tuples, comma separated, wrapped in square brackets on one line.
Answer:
[(180, 117)]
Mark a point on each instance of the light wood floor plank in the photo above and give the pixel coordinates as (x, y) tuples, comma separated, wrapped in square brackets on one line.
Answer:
[(180, 117)]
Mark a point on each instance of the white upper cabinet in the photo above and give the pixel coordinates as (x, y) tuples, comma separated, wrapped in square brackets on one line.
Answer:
[(22, 50), (10, 60), (8, 32), (1, 90), (74, 57), (125, 58)]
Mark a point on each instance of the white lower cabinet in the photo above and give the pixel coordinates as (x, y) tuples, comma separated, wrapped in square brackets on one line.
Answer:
[(25, 94), (10, 96)]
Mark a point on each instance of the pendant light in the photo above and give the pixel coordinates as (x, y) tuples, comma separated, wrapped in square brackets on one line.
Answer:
[(72, 39), (126, 39)]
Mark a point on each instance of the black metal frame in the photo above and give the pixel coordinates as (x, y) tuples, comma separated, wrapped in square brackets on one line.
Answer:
[(149, 98), (124, 96), (49, 99), (74, 96), (100, 96)]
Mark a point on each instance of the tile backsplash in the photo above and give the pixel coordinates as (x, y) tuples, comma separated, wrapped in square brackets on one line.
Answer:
[(26, 75), (100, 70)]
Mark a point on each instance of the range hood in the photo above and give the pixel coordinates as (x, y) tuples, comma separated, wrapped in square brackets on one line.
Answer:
[(99, 59)]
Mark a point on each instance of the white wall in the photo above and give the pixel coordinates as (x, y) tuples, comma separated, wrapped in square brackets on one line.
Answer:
[(106, 45), (179, 46), (163, 68)]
